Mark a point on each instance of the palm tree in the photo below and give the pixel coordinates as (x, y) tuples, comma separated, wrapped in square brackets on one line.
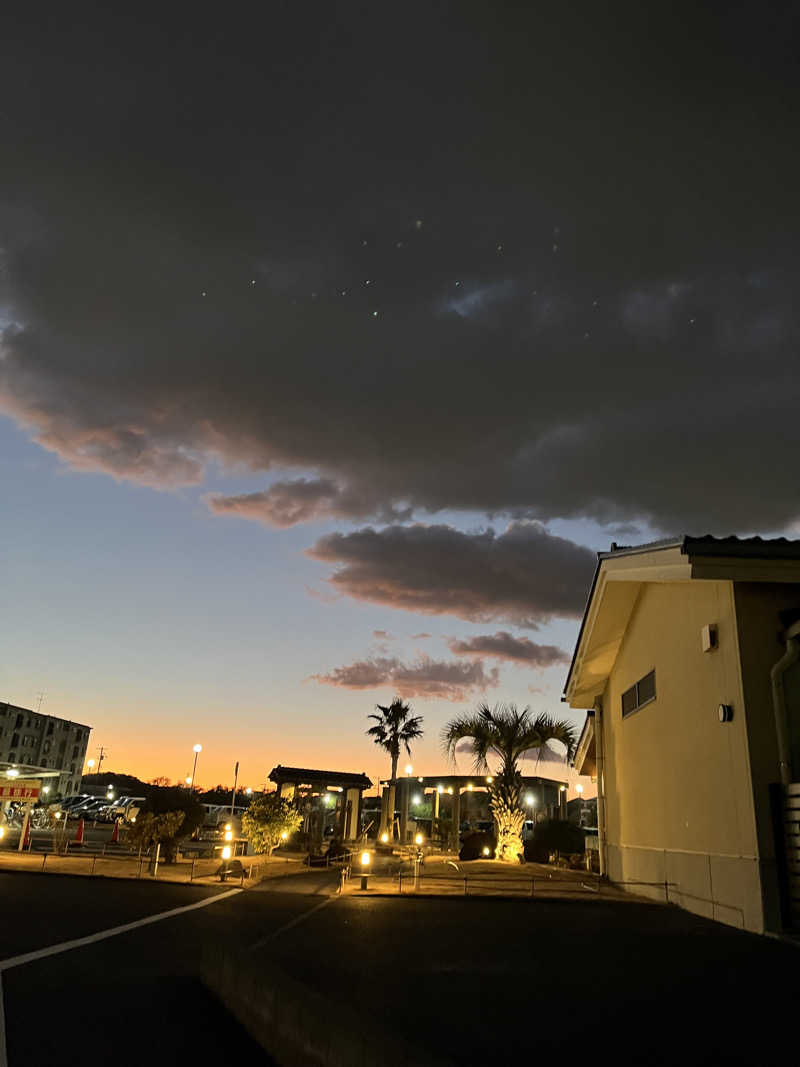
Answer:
[(507, 734), (394, 728)]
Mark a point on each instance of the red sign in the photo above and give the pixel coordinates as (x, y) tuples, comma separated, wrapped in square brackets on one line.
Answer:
[(21, 791)]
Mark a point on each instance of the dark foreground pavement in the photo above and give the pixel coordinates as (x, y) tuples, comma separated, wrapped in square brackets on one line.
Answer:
[(470, 980)]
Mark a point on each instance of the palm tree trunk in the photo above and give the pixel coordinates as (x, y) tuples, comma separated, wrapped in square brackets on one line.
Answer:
[(392, 795)]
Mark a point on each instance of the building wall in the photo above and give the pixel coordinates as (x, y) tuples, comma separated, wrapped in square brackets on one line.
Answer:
[(28, 737), (679, 802), (759, 629)]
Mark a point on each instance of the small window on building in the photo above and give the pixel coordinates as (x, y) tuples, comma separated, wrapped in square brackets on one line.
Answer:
[(50, 727), (44, 762), (642, 693), (75, 752), (12, 757), (15, 740)]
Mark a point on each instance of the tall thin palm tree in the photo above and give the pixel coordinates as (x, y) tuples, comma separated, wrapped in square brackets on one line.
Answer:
[(507, 734), (393, 729)]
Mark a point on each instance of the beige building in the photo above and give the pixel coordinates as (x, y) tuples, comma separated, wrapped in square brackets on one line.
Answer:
[(29, 739), (689, 659)]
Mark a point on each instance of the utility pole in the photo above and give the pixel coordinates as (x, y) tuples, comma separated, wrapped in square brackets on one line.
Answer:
[(102, 756), (235, 781)]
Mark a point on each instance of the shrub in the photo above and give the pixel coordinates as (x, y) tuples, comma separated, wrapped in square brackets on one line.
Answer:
[(473, 845), (553, 836)]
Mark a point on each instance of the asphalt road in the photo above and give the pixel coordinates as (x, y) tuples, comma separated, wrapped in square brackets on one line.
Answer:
[(475, 980)]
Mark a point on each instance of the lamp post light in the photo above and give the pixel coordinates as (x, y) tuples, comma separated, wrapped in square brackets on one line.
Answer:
[(409, 770), (365, 862)]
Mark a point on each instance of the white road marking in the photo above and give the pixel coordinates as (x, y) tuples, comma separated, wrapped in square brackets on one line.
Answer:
[(79, 942), (288, 926)]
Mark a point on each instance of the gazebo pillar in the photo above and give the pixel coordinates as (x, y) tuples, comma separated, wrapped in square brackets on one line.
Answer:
[(454, 836)]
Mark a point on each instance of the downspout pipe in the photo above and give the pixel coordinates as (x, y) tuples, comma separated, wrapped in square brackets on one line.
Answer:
[(787, 660), (599, 756)]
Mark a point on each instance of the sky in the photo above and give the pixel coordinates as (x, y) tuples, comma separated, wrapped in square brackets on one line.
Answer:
[(335, 341)]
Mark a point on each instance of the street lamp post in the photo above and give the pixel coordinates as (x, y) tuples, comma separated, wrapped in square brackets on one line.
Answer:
[(197, 750)]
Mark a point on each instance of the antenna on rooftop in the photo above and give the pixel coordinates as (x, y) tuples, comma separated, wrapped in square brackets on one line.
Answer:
[(39, 705)]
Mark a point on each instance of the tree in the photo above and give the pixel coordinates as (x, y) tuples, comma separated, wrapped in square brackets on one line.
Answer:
[(161, 781), (507, 734), (151, 829), (172, 801), (394, 728), (269, 820)]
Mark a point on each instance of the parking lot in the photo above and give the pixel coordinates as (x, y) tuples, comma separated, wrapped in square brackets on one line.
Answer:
[(472, 979)]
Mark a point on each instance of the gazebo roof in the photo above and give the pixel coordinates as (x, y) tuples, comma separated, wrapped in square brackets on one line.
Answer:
[(300, 775)]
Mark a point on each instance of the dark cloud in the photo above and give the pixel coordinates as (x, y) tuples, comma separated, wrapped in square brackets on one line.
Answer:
[(381, 635), (302, 500), (210, 254), (425, 678), (525, 574), (503, 645)]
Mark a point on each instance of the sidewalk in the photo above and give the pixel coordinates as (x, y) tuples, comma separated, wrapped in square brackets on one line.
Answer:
[(256, 868)]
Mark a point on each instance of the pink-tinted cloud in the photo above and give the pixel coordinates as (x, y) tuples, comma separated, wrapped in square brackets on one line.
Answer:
[(287, 503), (382, 635), (425, 678), (420, 637), (503, 645), (525, 574)]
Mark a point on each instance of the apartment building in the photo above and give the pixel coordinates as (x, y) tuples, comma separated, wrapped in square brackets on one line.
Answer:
[(31, 739)]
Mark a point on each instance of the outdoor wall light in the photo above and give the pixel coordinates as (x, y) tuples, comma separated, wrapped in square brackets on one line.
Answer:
[(725, 712)]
